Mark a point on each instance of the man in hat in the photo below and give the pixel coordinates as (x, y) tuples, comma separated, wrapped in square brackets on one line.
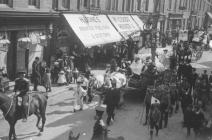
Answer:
[(111, 100), (99, 127), (22, 86), (36, 73)]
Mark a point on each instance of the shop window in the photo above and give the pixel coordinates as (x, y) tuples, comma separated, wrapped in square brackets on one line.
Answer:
[(132, 6), (3, 1), (66, 4), (93, 3), (114, 5)]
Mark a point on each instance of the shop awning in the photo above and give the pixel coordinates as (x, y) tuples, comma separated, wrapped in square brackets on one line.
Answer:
[(125, 25), (93, 30), (138, 21)]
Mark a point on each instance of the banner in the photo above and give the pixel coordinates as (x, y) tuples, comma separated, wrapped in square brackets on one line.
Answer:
[(93, 30), (125, 25)]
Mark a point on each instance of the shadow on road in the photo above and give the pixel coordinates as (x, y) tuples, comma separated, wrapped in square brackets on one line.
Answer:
[(57, 112), (63, 104)]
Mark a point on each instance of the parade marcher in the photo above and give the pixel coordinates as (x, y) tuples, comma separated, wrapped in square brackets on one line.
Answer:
[(99, 128), (205, 76), (22, 86), (79, 94), (204, 91), (189, 119), (186, 100), (36, 77), (199, 120), (210, 78), (165, 104), (112, 97)]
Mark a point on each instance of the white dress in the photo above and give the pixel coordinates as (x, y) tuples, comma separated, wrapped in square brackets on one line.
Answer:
[(61, 78)]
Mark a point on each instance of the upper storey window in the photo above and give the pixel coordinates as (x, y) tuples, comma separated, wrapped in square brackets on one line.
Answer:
[(66, 4)]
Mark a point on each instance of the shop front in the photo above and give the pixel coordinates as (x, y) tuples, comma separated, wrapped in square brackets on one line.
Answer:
[(27, 39)]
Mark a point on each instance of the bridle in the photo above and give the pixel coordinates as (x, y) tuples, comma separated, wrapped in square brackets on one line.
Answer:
[(8, 109)]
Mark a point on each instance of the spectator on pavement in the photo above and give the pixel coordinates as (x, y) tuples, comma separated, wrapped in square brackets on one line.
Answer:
[(36, 77), (75, 74), (47, 80)]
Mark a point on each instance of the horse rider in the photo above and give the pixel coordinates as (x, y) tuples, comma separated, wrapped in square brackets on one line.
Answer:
[(22, 86), (99, 127)]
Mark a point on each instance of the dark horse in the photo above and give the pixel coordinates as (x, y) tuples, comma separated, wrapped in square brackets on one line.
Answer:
[(12, 112)]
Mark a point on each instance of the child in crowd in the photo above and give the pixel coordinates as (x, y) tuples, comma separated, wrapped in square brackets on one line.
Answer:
[(75, 74), (61, 78), (47, 80), (79, 94)]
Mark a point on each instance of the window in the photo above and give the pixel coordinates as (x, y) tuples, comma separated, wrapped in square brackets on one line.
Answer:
[(114, 5), (3, 1), (32, 2), (123, 5), (200, 5), (55, 4), (175, 5), (108, 4), (93, 3), (66, 4), (132, 6), (98, 3), (85, 3), (128, 5), (147, 5), (139, 5), (170, 4), (117, 5)]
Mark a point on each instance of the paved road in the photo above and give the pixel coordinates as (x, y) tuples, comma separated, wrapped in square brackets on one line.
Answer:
[(61, 119)]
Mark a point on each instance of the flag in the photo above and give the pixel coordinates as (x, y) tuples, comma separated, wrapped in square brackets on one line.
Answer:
[(154, 100)]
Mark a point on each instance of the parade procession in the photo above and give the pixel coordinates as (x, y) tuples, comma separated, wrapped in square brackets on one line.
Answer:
[(105, 70)]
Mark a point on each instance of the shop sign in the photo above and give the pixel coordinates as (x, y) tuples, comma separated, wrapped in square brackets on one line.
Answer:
[(93, 30), (125, 25)]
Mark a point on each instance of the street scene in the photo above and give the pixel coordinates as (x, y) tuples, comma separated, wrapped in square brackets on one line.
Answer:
[(105, 70)]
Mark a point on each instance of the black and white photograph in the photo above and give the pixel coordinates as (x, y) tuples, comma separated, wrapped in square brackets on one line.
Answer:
[(105, 69)]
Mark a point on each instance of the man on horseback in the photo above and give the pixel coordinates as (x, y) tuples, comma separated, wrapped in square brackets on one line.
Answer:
[(22, 86)]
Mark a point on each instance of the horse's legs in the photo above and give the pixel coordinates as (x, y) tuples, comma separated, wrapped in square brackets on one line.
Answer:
[(43, 116), (38, 120), (12, 132)]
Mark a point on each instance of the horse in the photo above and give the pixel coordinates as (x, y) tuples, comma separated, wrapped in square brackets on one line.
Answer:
[(13, 112), (154, 119)]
